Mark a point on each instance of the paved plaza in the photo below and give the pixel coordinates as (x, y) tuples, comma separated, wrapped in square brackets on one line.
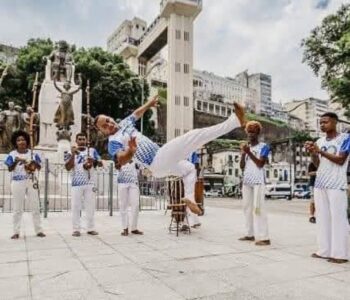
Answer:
[(208, 264)]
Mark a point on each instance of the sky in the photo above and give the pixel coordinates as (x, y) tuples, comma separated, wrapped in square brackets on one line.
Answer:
[(230, 36)]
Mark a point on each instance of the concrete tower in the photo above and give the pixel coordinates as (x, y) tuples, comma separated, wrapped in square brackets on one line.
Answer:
[(172, 27)]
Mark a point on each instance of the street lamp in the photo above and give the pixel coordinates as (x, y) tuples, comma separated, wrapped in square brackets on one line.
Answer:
[(290, 144), (143, 78)]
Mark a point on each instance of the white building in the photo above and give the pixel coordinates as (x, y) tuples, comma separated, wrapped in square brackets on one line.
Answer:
[(277, 112), (309, 110), (262, 83), (209, 86), (8, 54)]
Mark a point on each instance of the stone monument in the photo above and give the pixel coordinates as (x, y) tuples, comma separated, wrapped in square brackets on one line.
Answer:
[(60, 102)]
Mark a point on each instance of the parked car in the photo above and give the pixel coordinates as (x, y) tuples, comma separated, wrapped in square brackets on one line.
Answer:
[(278, 191), (302, 194), (211, 193)]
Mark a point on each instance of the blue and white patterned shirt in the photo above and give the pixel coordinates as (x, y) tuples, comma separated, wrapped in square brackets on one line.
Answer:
[(128, 173), (330, 175), (252, 174), (19, 173), (79, 175), (146, 149)]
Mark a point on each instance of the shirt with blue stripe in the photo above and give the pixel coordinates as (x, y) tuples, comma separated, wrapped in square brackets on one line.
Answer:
[(128, 174), (79, 175), (252, 174), (330, 175), (146, 149), (19, 173)]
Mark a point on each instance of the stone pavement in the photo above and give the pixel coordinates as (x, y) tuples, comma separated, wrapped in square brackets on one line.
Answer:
[(208, 264)]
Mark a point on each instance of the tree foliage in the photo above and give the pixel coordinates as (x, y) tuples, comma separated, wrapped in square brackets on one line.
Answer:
[(114, 89), (327, 52)]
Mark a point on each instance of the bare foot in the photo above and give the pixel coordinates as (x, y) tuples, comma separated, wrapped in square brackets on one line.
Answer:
[(239, 111)]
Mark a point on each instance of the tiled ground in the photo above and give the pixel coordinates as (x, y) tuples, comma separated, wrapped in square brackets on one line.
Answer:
[(208, 264)]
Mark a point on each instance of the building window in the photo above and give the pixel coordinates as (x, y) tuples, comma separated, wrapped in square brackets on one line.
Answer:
[(199, 105), (223, 111), (177, 67), (186, 101), (186, 68), (186, 36), (236, 172), (267, 174), (217, 109), (205, 106), (137, 26), (177, 34), (229, 171), (211, 108), (177, 100), (177, 132)]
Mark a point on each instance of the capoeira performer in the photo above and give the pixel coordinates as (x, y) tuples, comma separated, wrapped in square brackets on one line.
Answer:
[(129, 196), (23, 164), (126, 143), (83, 161), (253, 159), (331, 155)]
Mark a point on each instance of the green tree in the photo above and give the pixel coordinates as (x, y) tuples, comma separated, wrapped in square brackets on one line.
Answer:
[(114, 89), (327, 52)]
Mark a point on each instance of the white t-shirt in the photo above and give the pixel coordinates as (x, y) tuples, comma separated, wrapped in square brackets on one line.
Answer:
[(146, 149), (79, 175), (330, 175), (19, 173), (252, 174), (128, 173)]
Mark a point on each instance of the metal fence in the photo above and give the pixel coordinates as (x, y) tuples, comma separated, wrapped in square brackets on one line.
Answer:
[(55, 190)]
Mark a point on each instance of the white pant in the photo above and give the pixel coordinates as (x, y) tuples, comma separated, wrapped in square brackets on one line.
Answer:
[(255, 211), (171, 159), (20, 190), (78, 193), (332, 223), (129, 195)]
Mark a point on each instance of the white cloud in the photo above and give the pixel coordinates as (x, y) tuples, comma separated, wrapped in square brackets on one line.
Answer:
[(230, 35), (262, 36)]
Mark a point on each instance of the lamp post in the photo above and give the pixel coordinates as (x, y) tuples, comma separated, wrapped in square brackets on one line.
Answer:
[(290, 145), (143, 78)]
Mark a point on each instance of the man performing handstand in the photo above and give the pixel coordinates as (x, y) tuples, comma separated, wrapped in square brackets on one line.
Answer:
[(126, 143)]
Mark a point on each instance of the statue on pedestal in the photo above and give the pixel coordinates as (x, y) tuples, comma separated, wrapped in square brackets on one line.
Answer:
[(64, 116), (60, 63), (10, 121)]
